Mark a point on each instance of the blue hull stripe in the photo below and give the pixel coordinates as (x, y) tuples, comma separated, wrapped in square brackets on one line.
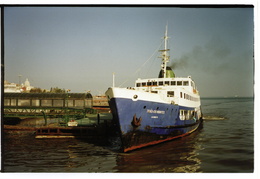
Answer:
[(144, 122)]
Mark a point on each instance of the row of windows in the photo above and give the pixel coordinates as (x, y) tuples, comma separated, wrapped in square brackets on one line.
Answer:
[(188, 97), (45, 102), (169, 93), (187, 114), (161, 83), (183, 114), (182, 95)]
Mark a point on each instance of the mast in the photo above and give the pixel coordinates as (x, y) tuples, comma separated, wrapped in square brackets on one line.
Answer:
[(165, 57), (113, 80)]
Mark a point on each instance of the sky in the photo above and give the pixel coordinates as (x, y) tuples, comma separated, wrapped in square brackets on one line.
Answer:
[(79, 48)]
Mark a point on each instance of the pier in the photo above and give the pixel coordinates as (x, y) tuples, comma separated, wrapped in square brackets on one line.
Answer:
[(49, 114), (72, 132), (53, 104), (93, 126)]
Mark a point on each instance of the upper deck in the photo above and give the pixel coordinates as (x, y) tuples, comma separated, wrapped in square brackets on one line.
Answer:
[(183, 82)]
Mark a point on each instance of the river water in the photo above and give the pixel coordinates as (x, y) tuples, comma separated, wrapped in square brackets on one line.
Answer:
[(225, 144)]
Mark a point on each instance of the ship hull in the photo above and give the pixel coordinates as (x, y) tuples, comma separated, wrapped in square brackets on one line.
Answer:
[(138, 139), (146, 122)]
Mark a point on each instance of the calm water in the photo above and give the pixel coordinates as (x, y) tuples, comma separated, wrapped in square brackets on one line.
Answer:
[(225, 144)]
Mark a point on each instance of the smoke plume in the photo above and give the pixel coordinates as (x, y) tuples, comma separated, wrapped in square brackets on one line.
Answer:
[(213, 57), (180, 63)]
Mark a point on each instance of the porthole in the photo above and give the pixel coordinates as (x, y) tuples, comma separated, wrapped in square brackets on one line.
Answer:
[(135, 96), (144, 107)]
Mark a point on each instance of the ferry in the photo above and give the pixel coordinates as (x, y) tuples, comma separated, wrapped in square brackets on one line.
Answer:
[(156, 110)]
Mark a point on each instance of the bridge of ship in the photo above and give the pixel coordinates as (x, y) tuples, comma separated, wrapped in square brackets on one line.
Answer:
[(48, 104)]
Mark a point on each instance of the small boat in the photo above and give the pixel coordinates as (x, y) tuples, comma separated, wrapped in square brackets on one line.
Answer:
[(156, 110)]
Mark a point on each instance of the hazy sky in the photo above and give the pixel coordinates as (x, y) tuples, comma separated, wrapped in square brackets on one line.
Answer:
[(79, 48)]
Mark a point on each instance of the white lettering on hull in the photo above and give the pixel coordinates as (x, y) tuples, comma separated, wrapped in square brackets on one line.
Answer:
[(155, 111)]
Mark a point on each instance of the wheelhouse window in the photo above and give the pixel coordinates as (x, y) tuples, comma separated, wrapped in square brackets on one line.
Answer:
[(185, 83), (155, 83), (167, 82), (138, 84), (143, 83), (179, 83), (173, 83), (160, 83), (170, 93), (149, 83)]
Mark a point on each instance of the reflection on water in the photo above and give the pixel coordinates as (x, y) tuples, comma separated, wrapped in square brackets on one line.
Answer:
[(65, 155), (167, 157), (224, 146), (57, 155)]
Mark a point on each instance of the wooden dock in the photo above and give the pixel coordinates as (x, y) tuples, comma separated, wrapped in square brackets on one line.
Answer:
[(18, 128), (70, 132), (48, 132)]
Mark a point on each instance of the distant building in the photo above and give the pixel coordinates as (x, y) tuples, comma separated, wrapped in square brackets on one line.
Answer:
[(27, 85), (16, 88), (11, 87)]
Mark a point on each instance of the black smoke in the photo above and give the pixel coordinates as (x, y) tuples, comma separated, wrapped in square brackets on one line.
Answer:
[(213, 57)]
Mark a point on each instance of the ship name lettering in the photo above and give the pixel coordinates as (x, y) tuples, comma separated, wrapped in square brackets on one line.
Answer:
[(155, 111)]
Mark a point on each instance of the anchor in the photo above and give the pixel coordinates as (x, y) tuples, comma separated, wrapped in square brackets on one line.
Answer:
[(136, 122)]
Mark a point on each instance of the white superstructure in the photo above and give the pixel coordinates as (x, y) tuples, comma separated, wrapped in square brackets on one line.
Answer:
[(181, 91)]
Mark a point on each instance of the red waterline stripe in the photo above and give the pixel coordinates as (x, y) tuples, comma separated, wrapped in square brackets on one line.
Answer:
[(158, 141)]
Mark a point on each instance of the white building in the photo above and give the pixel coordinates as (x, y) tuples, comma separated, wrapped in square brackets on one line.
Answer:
[(27, 85), (16, 88), (11, 87)]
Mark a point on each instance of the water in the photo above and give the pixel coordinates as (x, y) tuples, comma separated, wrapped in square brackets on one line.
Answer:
[(225, 144)]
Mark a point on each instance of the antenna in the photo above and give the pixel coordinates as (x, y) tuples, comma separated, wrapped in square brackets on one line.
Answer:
[(113, 85)]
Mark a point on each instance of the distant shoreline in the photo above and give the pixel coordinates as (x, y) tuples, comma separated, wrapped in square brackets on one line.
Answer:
[(231, 97)]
